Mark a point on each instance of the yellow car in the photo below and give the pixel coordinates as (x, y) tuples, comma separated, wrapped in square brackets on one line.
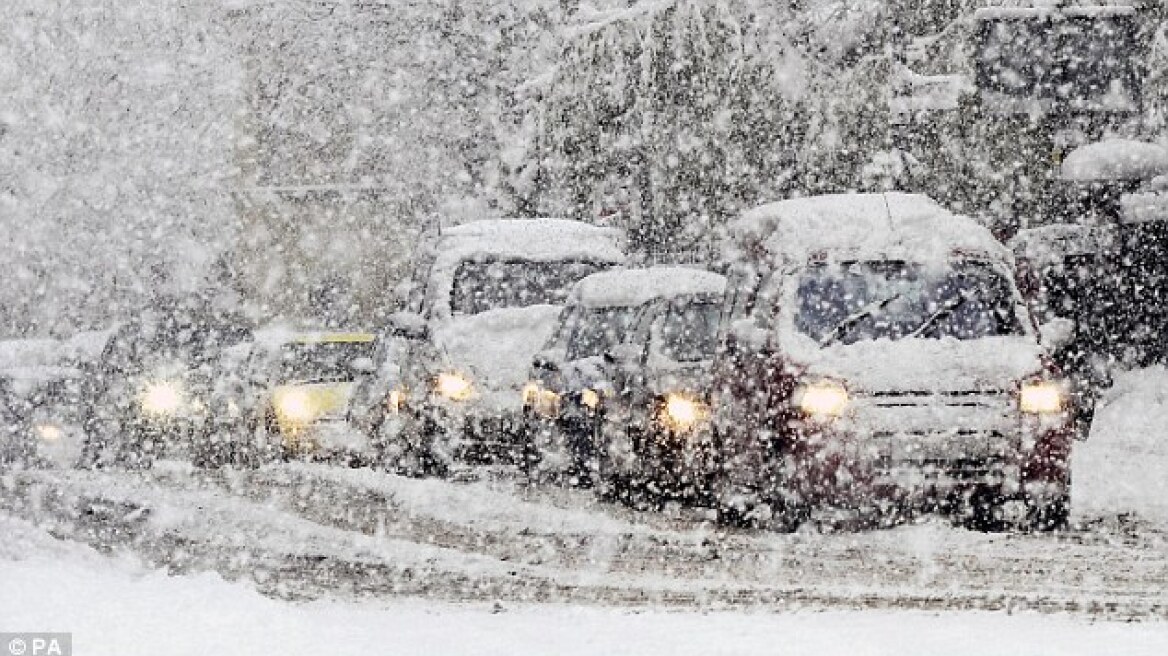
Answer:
[(311, 378)]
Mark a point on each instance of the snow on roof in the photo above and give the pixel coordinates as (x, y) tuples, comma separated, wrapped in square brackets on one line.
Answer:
[(907, 226), (19, 353), (531, 239), (1115, 159), (1005, 9), (633, 287)]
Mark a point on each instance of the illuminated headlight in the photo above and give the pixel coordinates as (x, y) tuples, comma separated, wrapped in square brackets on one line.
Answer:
[(296, 406), (541, 400), (824, 399), (681, 412), (453, 386), (395, 400), (162, 398), (48, 432), (590, 399), (1042, 398)]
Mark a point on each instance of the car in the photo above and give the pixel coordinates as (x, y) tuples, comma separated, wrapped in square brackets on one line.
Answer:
[(880, 359), (630, 345), (486, 297), (154, 385), (46, 382), (303, 382)]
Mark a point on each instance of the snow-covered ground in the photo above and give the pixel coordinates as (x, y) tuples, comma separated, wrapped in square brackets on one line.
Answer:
[(113, 605), (348, 561)]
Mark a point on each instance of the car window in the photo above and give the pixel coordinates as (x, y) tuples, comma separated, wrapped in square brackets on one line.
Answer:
[(856, 301), (321, 361), (597, 330), (689, 331), (480, 286)]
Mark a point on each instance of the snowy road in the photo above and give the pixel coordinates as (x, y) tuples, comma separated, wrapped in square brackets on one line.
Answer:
[(379, 559), (305, 531)]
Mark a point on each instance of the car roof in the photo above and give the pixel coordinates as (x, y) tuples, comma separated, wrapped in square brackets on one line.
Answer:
[(874, 226), (531, 239), (633, 287)]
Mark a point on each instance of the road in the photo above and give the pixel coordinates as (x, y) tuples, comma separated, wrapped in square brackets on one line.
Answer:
[(303, 531)]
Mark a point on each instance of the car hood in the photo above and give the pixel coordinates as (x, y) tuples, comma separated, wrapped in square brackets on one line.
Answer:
[(495, 348), (923, 365)]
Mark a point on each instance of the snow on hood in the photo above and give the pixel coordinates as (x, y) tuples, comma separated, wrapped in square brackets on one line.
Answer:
[(1115, 159), (924, 365), (496, 347)]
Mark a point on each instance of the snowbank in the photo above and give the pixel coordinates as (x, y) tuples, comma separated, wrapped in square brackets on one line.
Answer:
[(114, 607), (1123, 467)]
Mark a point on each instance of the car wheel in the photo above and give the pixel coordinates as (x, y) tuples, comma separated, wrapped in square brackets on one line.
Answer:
[(1048, 515)]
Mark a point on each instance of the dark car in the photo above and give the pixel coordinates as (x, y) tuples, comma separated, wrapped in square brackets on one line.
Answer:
[(580, 376), (155, 386)]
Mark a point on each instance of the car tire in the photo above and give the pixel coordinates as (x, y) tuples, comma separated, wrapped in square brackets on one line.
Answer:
[(1048, 515)]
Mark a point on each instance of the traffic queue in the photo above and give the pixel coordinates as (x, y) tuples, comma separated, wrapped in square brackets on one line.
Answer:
[(866, 355)]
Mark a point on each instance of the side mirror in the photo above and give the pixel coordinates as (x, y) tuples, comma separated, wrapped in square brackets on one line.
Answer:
[(409, 325), (363, 366), (545, 362), (1056, 333)]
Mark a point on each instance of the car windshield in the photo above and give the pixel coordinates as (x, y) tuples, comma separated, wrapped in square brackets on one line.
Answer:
[(596, 330), (857, 301), (480, 286), (321, 361), (690, 331)]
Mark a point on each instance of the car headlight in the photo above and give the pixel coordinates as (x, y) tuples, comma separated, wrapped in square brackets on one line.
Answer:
[(48, 432), (590, 399), (681, 412), (822, 399), (544, 402), (162, 398), (395, 400), (454, 386), (1042, 398), (296, 406)]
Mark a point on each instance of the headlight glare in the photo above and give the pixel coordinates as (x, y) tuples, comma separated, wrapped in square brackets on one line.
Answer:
[(296, 406), (822, 399), (162, 398), (590, 398), (48, 432), (681, 412), (1042, 398), (453, 386), (544, 402)]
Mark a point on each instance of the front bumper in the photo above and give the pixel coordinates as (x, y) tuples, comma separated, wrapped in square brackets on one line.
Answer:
[(327, 439)]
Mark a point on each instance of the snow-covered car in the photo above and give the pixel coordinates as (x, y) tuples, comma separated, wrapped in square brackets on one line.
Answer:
[(489, 293), (304, 382), (629, 343), (879, 357), (155, 386), (47, 380)]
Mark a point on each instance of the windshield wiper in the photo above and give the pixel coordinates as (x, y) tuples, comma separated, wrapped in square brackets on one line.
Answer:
[(945, 310), (853, 318)]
